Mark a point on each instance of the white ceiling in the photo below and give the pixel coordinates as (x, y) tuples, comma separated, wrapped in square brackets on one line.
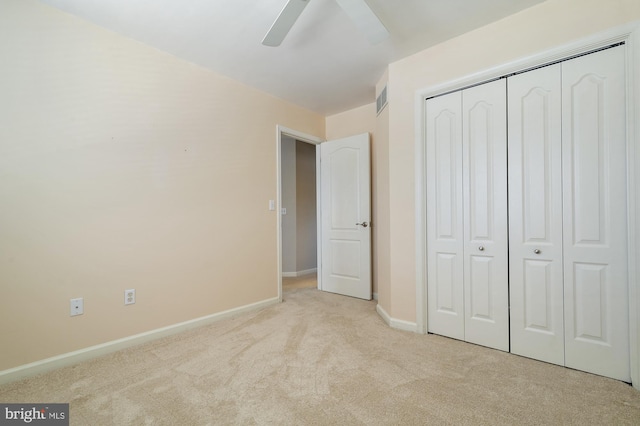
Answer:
[(325, 64)]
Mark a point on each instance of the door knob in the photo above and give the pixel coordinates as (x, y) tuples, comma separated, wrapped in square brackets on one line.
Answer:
[(363, 224), (537, 251), (481, 248)]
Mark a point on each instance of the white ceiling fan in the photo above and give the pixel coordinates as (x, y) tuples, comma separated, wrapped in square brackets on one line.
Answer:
[(358, 10)]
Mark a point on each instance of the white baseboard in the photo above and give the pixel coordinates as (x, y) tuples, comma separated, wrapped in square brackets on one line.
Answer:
[(404, 325), (70, 358), (385, 316), (396, 323), (375, 296), (299, 273)]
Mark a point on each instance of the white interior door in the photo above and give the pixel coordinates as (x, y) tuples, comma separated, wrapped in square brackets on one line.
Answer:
[(484, 178), (595, 214), (346, 216), (535, 214), (445, 296)]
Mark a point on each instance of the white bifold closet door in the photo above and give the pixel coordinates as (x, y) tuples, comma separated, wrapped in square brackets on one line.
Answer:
[(484, 183), (445, 292), (595, 214), (535, 214), (568, 214), (467, 218)]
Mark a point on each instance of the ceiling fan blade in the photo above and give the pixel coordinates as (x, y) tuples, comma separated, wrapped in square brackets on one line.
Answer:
[(365, 19), (284, 22)]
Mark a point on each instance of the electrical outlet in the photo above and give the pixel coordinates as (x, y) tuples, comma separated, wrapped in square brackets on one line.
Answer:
[(130, 296), (77, 306)]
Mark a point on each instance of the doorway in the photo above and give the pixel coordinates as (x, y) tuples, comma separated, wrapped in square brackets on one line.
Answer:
[(343, 212), (298, 212), (297, 207)]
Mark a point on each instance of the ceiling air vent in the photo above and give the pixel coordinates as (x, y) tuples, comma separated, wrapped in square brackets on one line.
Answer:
[(381, 101)]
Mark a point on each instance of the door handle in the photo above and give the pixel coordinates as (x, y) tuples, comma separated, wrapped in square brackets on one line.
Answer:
[(481, 248), (363, 224)]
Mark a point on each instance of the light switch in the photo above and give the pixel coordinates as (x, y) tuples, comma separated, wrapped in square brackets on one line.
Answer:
[(272, 205), (283, 210)]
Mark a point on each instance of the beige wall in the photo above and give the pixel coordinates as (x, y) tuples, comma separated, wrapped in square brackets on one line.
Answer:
[(306, 225), (123, 167), (353, 122), (549, 24)]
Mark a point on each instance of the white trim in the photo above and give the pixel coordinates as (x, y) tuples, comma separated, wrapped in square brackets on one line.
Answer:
[(314, 140), (396, 323), (385, 316), (633, 137), (75, 357), (404, 325), (630, 34), (420, 192), (375, 296), (299, 273), (308, 272), (318, 217)]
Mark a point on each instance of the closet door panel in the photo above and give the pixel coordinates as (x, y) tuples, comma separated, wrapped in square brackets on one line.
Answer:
[(595, 214), (444, 216), (535, 214), (484, 179)]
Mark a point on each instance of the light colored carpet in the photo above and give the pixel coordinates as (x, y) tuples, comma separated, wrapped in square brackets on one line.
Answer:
[(303, 281), (320, 359)]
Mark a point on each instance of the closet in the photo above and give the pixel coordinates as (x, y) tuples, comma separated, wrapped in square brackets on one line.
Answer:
[(527, 216)]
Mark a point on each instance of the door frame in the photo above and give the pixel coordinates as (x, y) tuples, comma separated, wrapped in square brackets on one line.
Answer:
[(313, 140), (630, 35)]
